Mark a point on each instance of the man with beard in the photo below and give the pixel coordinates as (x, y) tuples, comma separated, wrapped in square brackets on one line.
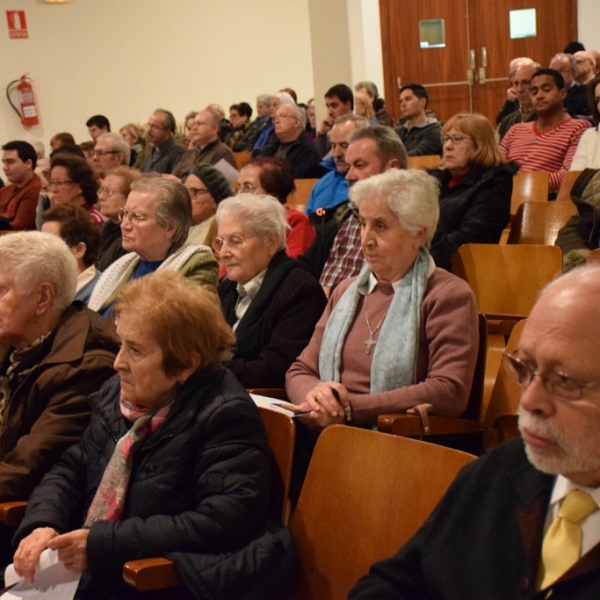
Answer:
[(523, 521)]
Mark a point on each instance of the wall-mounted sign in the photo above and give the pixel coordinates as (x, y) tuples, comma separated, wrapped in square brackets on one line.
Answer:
[(17, 26)]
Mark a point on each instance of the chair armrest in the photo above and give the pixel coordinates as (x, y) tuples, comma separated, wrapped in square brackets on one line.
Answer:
[(12, 513), (411, 425), (507, 426), (278, 393), (151, 574)]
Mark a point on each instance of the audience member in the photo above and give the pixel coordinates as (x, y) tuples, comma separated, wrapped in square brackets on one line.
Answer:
[(587, 155), (332, 189), (207, 187), (19, 199), (54, 354), (415, 342), (476, 187), (239, 115), (263, 103), (42, 166), (419, 133), (291, 92), (111, 151), (311, 122), (511, 104), (164, 152), (575, 102), (75, 227), (274, 176), (335, 254), (97, 125), (269, 300), (206, 145), (189, 123), (586, 67), (291, 145), (267, 137), (112, 196), (363, 108), (521, 84), (73, 182), (61, 139), (175, 461), (381, 114), (224, 124), (549, 143), (154, 224), (521, 522), (339, 101)]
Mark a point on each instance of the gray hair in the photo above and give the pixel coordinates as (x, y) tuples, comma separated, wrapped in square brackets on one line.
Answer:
[(284, 98), (33, 257), (215, 117), (117, 144), (412, 195), (299, 113), (261, 215), (174, 205), (389, 145), (170, 122), (369, 86), (563, 56), (359, 122), (264, 98)]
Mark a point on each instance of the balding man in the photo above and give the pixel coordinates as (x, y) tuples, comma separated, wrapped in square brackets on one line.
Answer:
[(206, 145), (575, 102), (586, 67), (521, 83), (164, 151), (111, 151), (523, 521), (292, 144)]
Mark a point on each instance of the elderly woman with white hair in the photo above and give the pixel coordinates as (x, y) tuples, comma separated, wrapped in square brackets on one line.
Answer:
[(400, 334), (155, 223), (269, 300)]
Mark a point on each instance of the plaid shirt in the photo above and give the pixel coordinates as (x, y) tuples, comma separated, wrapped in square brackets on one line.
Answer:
[(346, 258)]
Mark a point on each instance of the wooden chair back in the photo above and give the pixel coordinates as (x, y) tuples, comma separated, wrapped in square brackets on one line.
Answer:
[(540, 222), (365, 494), (501, 415), (298, 199), (281, 435), (428, 161), (564, 191), (506, 279), (241, 158), (529, 186)]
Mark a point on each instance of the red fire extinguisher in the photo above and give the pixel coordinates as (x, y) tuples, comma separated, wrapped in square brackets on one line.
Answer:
[(27, 109)]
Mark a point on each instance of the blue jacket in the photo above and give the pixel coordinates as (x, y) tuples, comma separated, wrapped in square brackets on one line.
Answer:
[(329, 191)]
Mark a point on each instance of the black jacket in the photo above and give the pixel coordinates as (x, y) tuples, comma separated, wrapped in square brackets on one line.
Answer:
[(199, 491), (475, 211), (111, 247), (277, 325), (302, 155)]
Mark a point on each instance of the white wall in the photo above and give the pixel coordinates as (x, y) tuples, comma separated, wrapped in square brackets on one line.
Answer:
[(588, 17), (123, 58)]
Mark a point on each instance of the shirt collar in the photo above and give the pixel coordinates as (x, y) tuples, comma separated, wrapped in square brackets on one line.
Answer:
[(562, 486), (251, 287)]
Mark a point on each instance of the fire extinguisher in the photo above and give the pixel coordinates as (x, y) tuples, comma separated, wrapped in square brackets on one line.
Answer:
[(28, 110)]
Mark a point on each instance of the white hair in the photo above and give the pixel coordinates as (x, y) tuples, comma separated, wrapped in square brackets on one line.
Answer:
[(33, 257), (412, 195), (117, 144)]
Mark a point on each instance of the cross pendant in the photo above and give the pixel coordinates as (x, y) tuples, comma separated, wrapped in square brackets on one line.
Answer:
[(369, 344)]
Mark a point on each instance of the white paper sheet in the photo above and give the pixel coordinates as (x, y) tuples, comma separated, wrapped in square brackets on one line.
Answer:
[(52, 581)]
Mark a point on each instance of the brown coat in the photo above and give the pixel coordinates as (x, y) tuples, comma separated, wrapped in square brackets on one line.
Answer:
[(18, 206), (49, 410)]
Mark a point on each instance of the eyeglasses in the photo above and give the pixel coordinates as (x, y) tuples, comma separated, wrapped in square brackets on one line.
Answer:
[(107, 192), (154, 126), (279, 117), (195, 192), (58, 182), (103, 152), (556, 383), (234, 241), (455, 139), (134, 218), (246, 188), (199, 123)]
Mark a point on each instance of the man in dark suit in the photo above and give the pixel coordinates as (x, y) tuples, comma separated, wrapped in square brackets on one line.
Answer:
[(496, 533)]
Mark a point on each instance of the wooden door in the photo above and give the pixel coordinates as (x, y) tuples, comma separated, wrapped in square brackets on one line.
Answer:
[(470, 73)]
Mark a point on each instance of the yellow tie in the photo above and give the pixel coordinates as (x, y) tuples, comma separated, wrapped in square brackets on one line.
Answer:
[(561, 547)]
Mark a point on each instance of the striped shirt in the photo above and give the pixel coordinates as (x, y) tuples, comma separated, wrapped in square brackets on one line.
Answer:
[(551, 150)]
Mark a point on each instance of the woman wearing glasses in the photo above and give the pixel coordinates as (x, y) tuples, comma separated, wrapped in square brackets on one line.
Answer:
[(476, 186), (155, 222), (207, 186), (271, 303)]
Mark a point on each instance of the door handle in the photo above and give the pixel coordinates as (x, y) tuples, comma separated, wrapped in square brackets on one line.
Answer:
[(484, 57), (399, 82), (481, 76), (471, 59)]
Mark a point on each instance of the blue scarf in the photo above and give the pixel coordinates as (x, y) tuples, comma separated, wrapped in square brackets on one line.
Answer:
[(395, 356)]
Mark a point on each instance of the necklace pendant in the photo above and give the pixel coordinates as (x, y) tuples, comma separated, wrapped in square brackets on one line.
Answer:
[(369, 344)]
